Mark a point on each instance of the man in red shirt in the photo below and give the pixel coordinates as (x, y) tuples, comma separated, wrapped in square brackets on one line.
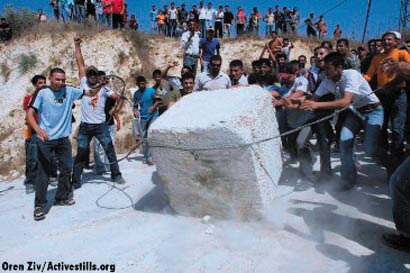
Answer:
[(117, 13), (30, 137)]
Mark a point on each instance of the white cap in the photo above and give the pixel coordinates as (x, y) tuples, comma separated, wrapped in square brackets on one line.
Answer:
[(395, 33)]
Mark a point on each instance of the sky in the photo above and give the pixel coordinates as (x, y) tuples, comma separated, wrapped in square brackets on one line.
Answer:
[(350, 14)]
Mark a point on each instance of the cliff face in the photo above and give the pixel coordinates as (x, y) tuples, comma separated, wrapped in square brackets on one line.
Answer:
[(113, 52)]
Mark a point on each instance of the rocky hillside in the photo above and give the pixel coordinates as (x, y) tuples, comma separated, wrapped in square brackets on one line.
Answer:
[(116, 53)]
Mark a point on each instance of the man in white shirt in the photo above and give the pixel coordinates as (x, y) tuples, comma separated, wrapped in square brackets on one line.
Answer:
[(214, 79), (350, 88), (202, 19), (93, 121), (190, 44), (236, 73)]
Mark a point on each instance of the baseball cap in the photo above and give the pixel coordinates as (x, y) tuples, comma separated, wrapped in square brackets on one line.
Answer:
[(395, 33), (211, 28), (91, 70)]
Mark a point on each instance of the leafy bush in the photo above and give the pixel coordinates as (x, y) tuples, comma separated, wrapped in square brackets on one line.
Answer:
[(20, 19), (26, 62)]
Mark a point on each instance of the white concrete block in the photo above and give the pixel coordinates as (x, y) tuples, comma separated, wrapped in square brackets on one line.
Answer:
[(208, 155)]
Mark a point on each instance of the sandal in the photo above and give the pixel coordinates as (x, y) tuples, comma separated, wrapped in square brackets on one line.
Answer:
[(39, 214), (66, 202)]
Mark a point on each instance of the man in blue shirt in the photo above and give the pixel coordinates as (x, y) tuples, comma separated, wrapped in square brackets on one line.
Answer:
[(146, 103), (54, 107), (208, 47)]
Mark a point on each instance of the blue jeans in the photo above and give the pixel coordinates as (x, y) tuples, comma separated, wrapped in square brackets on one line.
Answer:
[(79, 13), (31, 159), (65, 12), (62, 150), (372, 126), (144, 125), (86, 133), (192, 63), (395, 108), (400, 194), (172, 27), (202, 27), (269, 29), (101, 162)]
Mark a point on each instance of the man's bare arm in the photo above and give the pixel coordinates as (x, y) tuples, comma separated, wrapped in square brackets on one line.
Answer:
[(79, 57)]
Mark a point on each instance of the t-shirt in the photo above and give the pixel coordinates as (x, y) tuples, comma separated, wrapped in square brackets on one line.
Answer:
[(208, 48), (353, 82), (298, 117), (376, 66), (219, 16), (107, 6), (153, 15), (206, 82), (117, 6), (191, 47), (352, 62), (55, 109), (202, 13), (26, 105), (145, 100), (173, 14), (92, 108), (269, 19), (228, 17)]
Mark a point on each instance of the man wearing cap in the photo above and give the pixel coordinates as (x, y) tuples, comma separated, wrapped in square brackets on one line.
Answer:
[(208, 47), (190, 44), (93, 121), (391, 92), (213, 78)]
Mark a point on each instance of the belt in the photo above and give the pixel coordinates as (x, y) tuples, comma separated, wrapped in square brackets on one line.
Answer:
[(368, 108), (192, 56)]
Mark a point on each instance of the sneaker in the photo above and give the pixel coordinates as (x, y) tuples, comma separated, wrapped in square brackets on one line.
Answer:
[(30, 188), (52, 180), (397, 241), (343, 187), (119, 180)]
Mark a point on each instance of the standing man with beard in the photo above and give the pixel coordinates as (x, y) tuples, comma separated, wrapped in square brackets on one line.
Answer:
[(213, 79)]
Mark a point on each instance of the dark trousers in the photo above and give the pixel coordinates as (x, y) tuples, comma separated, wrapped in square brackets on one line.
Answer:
[(86, 133), (218, 29), (31, 159), (46, 149), (400, 194), (116, 20)]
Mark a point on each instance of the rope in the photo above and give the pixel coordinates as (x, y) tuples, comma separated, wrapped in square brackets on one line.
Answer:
[(97, 202), (244, 145)]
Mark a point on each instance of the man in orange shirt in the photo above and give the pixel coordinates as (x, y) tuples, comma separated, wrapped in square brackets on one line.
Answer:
[(391, 91)]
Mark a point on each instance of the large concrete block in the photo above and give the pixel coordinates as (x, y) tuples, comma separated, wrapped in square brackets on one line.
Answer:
[(210, 157)]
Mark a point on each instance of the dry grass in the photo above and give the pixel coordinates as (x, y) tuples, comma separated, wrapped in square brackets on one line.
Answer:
[(5, 71)]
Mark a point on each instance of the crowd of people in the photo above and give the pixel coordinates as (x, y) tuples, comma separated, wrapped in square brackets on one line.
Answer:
[(111, 13), (172, 20), (368, 83)]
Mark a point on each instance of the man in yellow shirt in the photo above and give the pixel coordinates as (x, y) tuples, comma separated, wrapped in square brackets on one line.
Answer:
[(391, 90)]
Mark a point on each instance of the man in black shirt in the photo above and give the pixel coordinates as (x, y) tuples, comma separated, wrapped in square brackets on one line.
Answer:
[(228, 18)]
